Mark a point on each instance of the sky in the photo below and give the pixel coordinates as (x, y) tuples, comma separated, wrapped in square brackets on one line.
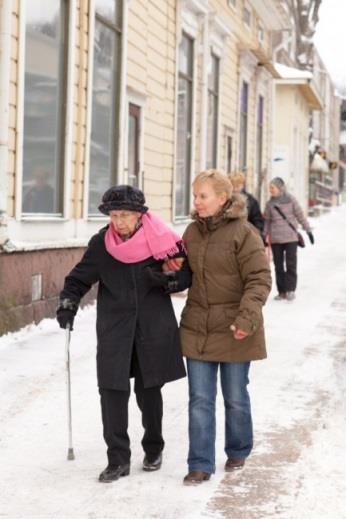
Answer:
[(330, 38), (298, 396)]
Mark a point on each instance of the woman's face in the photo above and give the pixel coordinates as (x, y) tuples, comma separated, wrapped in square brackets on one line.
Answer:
[(124, 222), (273, 190), (205, 200)]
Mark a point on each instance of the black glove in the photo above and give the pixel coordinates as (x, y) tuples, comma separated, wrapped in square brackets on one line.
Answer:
[(65, 317), (164, 280), (66, 312), (311, 237)]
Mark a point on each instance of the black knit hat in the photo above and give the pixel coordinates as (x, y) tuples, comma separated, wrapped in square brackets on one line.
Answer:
[(279, 183), (123, 197)]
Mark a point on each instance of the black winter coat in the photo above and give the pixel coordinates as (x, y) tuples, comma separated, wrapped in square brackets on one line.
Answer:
[(131, 313), (254, 212)]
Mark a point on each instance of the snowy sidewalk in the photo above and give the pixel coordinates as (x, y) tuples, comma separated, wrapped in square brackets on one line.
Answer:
[(297, 469)]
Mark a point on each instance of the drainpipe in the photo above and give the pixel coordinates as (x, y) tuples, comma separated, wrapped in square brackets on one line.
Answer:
[(5, 63)]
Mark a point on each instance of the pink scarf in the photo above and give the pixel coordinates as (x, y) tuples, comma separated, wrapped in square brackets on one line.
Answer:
[(153, 238)]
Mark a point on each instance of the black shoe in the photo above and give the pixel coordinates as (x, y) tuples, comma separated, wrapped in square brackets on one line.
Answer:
[(150, 464), (112, 473)]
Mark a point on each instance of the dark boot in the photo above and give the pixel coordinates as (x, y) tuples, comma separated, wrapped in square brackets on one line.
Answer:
[(151, 464), (112, 473), (234, 464), (196, 477)]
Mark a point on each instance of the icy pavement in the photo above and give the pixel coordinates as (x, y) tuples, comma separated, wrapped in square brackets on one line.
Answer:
[(296, 471)]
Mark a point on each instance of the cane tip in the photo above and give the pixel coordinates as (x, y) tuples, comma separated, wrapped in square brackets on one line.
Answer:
[(70, 454)]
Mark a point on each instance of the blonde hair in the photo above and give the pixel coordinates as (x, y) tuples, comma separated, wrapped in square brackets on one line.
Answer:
[(237, 179), (218, 179)]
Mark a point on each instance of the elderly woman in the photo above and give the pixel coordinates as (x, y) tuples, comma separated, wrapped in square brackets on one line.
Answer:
[(222, 324), (282, 214), (137, 332)]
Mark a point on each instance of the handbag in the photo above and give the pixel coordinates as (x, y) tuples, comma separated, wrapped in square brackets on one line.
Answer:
[(300, 239)]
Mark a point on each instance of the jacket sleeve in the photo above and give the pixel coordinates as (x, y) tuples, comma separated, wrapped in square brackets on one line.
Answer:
[(180, 280), (255, 216), (81, 278), (299, 215), (267, 219), (256, 277)]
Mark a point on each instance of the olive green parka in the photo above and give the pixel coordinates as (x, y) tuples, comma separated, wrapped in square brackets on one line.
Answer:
[(231, 281)]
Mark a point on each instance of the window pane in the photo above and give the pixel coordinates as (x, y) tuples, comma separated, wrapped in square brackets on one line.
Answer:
[(260, 110), (213, 88), (185, 56), (44, 98), (183, 165), (109, 9), (244, 98), (243, 125), (213, 76), (102, 142), (133, 139), (212, 131)]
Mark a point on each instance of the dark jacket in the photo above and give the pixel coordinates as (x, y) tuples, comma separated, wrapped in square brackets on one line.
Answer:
[(254, 214), (230, 283), (131, 313)]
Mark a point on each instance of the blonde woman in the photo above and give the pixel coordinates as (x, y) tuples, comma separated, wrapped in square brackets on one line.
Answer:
[(222, 324), (254, 214)]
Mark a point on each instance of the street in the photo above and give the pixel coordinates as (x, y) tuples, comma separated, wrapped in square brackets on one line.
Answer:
[(296, 470)]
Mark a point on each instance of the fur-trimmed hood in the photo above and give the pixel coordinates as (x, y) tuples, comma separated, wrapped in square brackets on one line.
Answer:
[(235, 207)]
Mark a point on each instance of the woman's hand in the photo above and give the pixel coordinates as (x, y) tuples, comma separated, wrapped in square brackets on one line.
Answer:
[(172, 264), (238, 334)]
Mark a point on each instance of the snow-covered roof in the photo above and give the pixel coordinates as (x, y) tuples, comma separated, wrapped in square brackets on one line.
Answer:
[(286, 72)]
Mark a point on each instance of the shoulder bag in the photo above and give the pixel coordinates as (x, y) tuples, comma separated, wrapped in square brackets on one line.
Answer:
[(300, 239)]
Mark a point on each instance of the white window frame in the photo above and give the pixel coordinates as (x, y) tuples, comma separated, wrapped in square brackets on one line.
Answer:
[(264, 88), (218, 34), (26, 228), (191, 16), (247, 8), (122, 116), (138, 99), (247, 65)]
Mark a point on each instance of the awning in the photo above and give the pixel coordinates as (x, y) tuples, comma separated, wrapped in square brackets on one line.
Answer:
[(303, 79)]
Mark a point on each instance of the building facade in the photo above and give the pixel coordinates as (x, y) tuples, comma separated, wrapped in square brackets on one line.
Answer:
[(106, 92)]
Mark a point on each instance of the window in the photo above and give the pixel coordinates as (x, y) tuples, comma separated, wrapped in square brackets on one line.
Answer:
[(133, 139), (44, 107), (105, 100), (259, 144), (244, 101), (213, 103), (229, 153), (260, 33), (184, 128), (247, 16)]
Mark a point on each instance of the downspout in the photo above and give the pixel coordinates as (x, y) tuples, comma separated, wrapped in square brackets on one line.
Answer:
[(204, 95), (5, 63)]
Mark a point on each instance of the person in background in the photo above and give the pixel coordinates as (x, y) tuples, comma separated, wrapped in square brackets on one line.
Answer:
[(40, 196), (254, 214), (221, 324), (137, 332), (282, 238)]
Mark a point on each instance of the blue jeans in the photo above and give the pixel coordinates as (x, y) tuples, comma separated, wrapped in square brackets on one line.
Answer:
[(202, 378)]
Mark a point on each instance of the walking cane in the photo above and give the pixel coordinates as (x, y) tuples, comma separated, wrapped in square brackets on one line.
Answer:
[(70, 453)]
